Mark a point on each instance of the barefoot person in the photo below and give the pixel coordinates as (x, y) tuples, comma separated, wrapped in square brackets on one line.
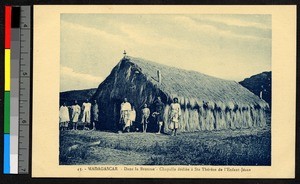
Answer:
[(64, 117), (86, 116), (124, 114), (159, 112), (145, 116), (95, 112), (174, 116), (75, 114)]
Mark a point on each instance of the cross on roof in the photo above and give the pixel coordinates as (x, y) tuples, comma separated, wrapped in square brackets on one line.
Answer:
[(124, 53)]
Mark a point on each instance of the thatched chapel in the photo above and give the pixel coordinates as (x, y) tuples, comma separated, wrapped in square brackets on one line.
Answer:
[(207, 103)]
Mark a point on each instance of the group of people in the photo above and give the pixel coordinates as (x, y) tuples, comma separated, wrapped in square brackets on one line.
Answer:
[(77, 114), (88, 114), (128, 115)]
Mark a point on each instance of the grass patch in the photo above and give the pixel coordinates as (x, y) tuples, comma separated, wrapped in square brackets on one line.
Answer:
[(240, 147)]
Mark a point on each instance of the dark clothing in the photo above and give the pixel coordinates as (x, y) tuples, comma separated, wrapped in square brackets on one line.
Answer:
[(95, 112), (159, 107), (159, 118)]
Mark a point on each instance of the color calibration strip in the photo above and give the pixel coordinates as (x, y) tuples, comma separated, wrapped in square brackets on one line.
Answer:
[(7, 34), (17, 90)]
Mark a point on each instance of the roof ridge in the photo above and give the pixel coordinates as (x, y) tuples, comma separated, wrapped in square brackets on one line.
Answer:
[(136, 60)]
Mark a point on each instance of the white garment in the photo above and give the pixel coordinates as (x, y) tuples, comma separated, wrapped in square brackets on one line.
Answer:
[(75, 112), (125, 113), (64, 114), (175, 112), (132, 115), (125, 106), (86, 117)]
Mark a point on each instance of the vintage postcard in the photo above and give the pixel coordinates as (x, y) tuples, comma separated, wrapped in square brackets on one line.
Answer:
[(164, 91)]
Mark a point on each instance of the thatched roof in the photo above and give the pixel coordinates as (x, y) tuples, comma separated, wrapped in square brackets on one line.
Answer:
[(193, 88)]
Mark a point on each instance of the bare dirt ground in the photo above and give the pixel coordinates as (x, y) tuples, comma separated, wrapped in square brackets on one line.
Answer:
[(230, 147)]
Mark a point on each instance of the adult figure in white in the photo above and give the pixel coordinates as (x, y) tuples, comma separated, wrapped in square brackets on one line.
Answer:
[(64, 117), (86, 116), (124, 113), (75, 114), (174, 116)]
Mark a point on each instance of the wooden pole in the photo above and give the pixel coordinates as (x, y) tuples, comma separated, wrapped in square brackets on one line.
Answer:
[(159, 76)]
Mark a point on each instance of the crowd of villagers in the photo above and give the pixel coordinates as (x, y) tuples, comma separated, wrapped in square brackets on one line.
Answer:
[(127, 122)]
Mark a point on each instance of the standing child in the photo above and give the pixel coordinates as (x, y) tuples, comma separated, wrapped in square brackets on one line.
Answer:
[(159, 113), (145, 116), (132, 117)]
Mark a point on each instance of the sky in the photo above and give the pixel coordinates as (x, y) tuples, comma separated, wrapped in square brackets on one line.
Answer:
[(231, 47)]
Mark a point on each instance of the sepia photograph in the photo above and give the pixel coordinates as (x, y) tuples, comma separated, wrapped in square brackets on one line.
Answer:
[(165, 89)]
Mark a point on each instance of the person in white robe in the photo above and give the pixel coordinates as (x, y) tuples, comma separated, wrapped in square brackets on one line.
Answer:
[(64, 117), (86, 116), (174, 116), (75, 114), (132, 117), (124, 114)]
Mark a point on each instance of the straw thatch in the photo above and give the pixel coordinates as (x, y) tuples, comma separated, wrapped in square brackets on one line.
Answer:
[(207, 103)]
